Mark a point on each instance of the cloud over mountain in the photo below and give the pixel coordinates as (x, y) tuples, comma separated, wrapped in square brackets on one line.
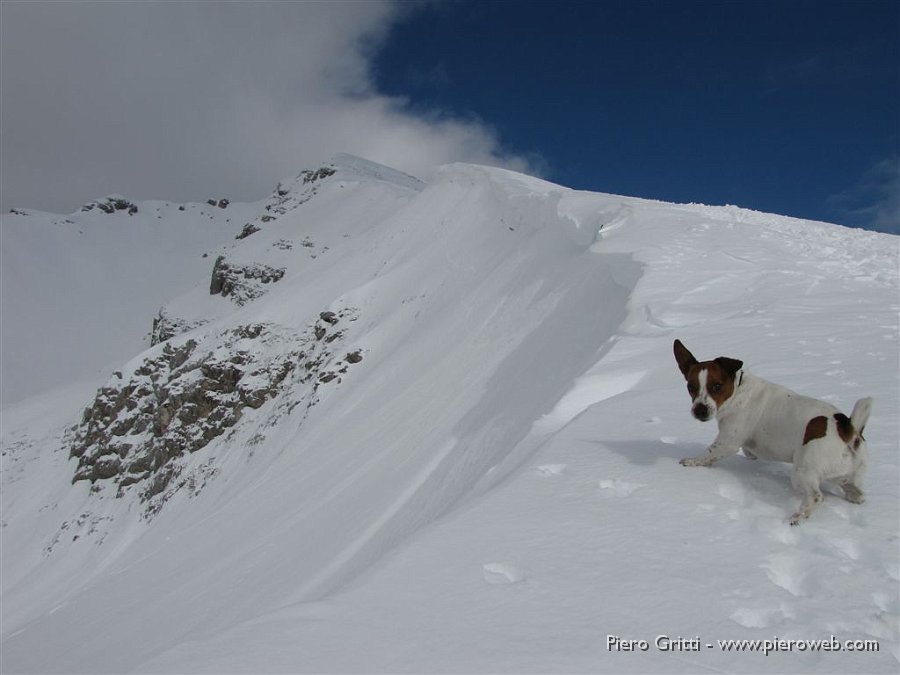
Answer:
[(185, 100)]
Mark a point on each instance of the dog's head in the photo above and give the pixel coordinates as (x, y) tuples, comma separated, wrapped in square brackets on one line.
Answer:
[(710, 383)]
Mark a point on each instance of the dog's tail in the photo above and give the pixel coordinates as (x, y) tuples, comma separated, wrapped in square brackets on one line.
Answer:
[(860, 415)]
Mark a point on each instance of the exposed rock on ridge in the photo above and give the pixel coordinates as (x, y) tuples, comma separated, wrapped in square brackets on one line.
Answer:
[(242, 283), (111, 204), (179, 399), (166, 326), (287, 197)]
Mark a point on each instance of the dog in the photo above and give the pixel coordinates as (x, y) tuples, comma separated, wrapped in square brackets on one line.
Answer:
[(771, 422)]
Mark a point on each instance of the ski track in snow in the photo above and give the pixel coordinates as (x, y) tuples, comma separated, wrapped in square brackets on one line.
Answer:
[(498, 490)]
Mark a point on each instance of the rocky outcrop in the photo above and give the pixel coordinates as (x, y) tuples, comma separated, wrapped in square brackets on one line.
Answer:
[(178, 400), (312, 175), (242, 282), (249, 229), (288, 196), (166, 326), (111, 204)]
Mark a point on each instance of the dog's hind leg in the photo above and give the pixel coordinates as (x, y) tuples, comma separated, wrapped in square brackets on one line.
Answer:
[(806, 482), (852, 493), (851, 484)]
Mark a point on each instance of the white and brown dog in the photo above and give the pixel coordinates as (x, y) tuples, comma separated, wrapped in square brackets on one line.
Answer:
[(771, 422)]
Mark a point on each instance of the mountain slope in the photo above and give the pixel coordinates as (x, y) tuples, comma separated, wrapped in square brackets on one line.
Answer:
[(90, 283), (490, 481)]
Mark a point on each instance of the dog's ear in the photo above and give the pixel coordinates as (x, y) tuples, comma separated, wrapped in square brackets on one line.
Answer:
[(730, 366), (684, 357)]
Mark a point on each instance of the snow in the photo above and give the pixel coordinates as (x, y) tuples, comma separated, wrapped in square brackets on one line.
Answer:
[(89, 284), (495, 487), (351, 167)]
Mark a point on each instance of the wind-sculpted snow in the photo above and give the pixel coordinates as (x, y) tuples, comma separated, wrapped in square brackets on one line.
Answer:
[(480, 473)]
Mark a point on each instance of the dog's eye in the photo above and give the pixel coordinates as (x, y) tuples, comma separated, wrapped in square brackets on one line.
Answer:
[(716, 387)]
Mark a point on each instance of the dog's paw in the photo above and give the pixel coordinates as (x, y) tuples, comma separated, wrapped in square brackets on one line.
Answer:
[(806, 507), (695, 461), (853, 494)]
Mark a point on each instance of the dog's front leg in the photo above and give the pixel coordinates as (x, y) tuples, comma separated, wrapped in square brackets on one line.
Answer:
[(724, 446)]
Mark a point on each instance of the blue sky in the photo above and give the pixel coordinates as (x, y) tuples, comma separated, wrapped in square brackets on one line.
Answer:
[(787, 107)]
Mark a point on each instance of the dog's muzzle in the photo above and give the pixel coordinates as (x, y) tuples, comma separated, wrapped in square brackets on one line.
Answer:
[(701, 412)]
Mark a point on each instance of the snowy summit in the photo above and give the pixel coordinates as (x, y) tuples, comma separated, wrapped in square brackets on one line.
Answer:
[(369, 424)]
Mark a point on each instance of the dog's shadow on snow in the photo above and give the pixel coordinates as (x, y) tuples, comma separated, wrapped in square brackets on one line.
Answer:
[(649, 452), (757, 480), (772, 478)]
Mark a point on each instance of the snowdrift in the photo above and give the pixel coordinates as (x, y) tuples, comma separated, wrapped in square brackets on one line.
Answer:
[(371, 424)]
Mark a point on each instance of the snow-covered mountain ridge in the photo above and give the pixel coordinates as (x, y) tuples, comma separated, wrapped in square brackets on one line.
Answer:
[(423, 415)]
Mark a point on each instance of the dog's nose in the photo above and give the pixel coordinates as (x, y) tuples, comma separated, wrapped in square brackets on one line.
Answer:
[(701, 412)]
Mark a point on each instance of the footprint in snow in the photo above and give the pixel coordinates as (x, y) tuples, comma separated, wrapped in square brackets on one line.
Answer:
[(550, 469), (846, 547), (620, 488), (886, 602), (791, 573), (502, 573), (780, 530), (762, 617), (733, 492)]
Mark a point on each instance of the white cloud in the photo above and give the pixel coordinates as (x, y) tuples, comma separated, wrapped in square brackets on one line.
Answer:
[(874, 202), (185, 101)]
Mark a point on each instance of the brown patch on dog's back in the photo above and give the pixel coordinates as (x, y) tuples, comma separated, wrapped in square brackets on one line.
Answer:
[(844, 427), (815, 428)]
